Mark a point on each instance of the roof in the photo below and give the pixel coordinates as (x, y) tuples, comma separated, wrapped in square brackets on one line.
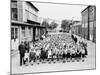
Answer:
[(24, 24), (32, 22), (86, 8), (20, 23), (32, 5), (77, 24)]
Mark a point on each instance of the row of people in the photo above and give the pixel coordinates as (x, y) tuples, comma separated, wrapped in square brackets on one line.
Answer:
[(57, 47), (52, 54)]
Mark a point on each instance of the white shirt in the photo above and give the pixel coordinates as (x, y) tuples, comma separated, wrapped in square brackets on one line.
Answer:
[(49, 53), (38, 52), (26, 55)]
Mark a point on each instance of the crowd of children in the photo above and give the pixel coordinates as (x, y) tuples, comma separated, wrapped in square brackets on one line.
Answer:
[(57, 47)]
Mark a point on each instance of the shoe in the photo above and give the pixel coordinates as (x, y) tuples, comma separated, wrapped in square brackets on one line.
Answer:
[(20, 64)]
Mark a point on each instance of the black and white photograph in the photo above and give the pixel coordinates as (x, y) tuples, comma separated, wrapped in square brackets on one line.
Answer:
[(51, 37)]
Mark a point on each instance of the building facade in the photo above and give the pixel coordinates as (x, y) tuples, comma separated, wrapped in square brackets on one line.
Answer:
[(89, 23), (24, 23), (77, 28)]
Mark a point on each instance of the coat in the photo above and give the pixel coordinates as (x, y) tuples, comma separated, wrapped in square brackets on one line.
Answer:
[(21, 49)]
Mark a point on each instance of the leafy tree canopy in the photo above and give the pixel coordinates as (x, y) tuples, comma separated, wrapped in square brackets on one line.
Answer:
[(45, 23), (53, 25)]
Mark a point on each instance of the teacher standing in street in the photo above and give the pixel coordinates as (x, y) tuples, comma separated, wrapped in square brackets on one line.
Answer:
[(22, 52)]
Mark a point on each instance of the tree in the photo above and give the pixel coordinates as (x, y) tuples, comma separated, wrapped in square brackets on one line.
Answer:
[(53, 25), (65, 25), (45, 24)]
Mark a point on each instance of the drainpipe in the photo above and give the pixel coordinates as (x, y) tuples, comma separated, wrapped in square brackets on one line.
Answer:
[(88, 25)]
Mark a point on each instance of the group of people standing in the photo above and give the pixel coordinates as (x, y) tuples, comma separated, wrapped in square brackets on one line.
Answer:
[(51, 50), (23, 50)]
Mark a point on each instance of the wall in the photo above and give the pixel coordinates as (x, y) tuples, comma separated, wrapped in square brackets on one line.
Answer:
[(88, 23), (85, 24), (92, 26), (29, 12), (20, 10)]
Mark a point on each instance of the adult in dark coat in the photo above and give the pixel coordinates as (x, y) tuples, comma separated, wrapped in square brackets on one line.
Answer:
[(75, 39), (72, 36), (43, 54), (27, 46), (22, 52)]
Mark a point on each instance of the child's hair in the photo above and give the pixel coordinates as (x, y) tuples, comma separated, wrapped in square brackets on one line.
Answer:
[(64, 46), (41, 48)]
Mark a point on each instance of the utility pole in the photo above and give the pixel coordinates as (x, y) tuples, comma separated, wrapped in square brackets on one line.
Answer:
[(88, 23)]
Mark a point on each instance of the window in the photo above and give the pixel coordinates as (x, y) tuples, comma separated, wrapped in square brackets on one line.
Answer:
[(91, 14), (16, 32), (13, 3), (23, 31), (14, 9), (12, 33), (30, 32), (23, 28), (29, 28), (14, 13)]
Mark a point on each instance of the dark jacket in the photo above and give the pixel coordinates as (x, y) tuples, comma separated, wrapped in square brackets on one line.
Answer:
[(21, 49), (27, 47), (74, 38), (43, 54)]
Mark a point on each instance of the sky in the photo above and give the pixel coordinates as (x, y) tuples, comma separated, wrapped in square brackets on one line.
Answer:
[(59, 11)]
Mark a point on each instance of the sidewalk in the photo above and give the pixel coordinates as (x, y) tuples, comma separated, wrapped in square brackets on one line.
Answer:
[(85, 40), (14, 52)]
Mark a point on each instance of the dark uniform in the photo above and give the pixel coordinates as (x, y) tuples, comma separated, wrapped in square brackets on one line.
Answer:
[(21, 52), (27, 47)]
